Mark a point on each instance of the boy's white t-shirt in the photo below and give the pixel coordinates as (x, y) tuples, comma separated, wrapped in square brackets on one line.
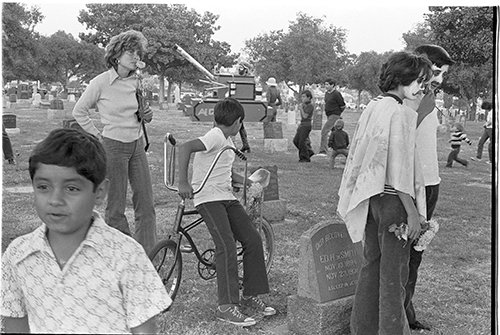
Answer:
[(218, 186)]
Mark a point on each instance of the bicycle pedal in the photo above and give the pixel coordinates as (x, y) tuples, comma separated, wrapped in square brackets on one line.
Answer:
[(186, 248)]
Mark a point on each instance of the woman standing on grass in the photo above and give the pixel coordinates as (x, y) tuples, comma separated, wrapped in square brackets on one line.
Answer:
[(382, 187), (113, 93)]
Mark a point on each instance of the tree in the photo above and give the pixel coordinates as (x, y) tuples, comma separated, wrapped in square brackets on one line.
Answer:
[(422, 34), (363, 74), (309, 53), (19, 41), (467, 34), (61, 57), (164, 25)]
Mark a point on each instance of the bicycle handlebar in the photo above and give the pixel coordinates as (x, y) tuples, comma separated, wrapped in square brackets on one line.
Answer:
[(169, 138)]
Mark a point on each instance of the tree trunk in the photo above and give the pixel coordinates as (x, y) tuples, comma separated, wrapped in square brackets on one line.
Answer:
[(358, 108), (169, 90), (161, 94)]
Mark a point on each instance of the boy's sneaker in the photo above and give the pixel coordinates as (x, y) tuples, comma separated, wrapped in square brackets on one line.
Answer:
[(232, 314), (321, 154), (476, 159), (256, 304)]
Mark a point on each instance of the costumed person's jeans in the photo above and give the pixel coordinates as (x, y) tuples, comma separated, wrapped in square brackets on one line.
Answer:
[(128, 162), (378, 307), (227, 221), (300, 142), (6, 145), (453, 156), (335, 153), (486, 135), (327, 127), (431, 195)]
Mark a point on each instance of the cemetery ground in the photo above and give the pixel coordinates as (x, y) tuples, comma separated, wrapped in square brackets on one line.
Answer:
[(453, 293)]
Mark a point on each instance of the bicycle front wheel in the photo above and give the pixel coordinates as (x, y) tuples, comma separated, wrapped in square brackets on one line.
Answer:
[(167, 260)]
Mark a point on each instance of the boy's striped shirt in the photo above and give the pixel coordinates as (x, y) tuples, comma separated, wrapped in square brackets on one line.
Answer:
[(457, 137)]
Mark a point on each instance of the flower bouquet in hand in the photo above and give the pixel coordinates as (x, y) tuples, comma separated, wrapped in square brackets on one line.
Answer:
[(427, 233), (429, 230)]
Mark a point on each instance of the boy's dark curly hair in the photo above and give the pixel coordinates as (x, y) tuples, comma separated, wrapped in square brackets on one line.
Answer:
[(130, 40), (402, 68), (71, 148)]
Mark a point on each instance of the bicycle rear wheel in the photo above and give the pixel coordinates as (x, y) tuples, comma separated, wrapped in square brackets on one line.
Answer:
[(266, 232), (168, 266)]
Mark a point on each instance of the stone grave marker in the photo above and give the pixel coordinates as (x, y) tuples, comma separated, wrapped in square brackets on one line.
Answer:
[(273, 137), (9, 120), (273, 130), (317, 121), (328, 270), (37, 99), (273, 208)]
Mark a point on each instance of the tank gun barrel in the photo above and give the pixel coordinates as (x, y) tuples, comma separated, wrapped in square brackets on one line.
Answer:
[(193, 61)]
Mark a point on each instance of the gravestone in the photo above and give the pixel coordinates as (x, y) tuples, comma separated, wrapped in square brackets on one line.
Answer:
[(273, 137), (329, 265), (317, 121), (271, 192), (9, 120), (273, 208), (273, 130), (37, 99)]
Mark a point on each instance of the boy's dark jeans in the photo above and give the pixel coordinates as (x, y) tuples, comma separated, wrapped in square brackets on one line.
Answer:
[(431, 195), (486, 134), (226, 221), (453, 156), (378, 307), (300, 142)]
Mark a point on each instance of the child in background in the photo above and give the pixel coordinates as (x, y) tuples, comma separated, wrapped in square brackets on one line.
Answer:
[(457, 136), (338, 141), (301, 137), (76, 274), (225, 217)]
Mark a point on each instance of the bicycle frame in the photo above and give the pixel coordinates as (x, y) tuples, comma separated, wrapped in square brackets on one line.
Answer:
[(169, 178)]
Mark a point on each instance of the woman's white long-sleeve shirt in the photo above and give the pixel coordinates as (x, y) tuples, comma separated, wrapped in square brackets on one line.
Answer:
[(116, 104)]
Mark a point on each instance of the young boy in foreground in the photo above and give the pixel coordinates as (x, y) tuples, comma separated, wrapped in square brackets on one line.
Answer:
[(76, 274), (225, 217)]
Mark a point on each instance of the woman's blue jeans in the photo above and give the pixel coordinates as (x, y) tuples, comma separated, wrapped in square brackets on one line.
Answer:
[(127, 162), (227, 221)]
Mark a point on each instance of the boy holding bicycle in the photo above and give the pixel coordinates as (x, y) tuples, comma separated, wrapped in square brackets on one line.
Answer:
[(76, 274), (225, 217)]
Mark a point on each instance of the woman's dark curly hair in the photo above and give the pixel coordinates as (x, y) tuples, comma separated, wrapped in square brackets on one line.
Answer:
[(130, 40), (402, 68)]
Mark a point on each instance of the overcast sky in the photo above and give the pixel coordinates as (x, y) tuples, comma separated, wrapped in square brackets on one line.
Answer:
[(374, 25)]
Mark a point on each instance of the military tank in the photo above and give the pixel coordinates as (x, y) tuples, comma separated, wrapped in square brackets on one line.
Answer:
[(240, 86)]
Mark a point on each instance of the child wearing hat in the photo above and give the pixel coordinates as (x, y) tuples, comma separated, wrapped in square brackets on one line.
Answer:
[(273, 98)]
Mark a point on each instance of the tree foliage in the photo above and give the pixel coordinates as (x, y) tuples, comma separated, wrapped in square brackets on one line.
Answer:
[(164, 25), (467, 34), (62, 57), (309, 52), (19, 41)]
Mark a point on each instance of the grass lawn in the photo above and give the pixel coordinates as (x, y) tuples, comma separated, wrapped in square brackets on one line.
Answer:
[(453, 293)]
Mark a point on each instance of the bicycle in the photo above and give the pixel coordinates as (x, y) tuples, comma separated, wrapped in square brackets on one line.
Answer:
[(166, 255)]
